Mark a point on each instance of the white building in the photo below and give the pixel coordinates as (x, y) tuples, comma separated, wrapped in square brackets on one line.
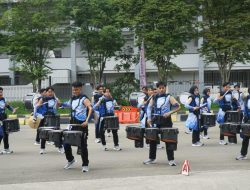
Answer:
[(62, 68)]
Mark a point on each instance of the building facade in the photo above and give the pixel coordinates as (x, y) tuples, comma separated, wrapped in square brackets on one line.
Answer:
[(62, 71)]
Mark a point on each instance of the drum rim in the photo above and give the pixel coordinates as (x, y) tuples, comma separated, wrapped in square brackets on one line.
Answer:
[(207, 114), (72, 131)]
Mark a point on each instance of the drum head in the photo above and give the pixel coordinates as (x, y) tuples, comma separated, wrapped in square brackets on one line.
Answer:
[(236, 94), (184, 97)]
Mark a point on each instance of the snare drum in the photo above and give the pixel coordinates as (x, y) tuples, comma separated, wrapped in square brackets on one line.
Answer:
[(152, 134), (134, 132), (245, 127), (169, 135), (52, 120), (161, 121), (74, 138), (232, 116), (208, 119), (230, 129), (11, 125), (44, 132), (56, 136), (111, 122)]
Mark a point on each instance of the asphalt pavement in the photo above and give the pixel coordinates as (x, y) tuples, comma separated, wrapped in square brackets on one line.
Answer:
[(213, 166)]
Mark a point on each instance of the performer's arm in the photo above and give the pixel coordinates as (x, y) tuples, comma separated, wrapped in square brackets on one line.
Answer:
[(87, 103), (175, 105)]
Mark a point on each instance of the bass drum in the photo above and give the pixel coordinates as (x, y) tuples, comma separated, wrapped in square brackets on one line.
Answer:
[(184, 97)]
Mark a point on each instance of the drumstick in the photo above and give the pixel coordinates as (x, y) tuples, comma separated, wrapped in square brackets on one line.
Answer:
[(203, 105), (226, 93)]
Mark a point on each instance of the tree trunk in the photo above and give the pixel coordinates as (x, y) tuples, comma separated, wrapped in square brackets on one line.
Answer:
[(225, 74), (93, 78), (39, 84), (162, 73), (34, 86)]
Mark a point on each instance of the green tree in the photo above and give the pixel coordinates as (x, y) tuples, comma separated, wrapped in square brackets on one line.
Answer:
[(226, 29), (126, 83), (98, 30), (33, 28), (164, 26)]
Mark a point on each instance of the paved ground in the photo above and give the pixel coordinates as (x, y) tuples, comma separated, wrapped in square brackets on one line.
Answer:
[(213, 166)]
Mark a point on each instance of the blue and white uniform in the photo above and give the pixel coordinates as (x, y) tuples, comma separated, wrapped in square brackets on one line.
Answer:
[(106, 108), (161, 106), (3, 135), (193, 116), (79, 114), (225, 105)]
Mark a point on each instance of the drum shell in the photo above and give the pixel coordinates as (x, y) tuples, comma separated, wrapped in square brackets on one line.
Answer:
[(74, 138), (11, 125), (161, 121), (134, 132), (229, 129), (52, 120), (44, 132), (56, 136), (245, 129), (233, 116), (111, 122), (169, 135), (152, 134), (208, 120)]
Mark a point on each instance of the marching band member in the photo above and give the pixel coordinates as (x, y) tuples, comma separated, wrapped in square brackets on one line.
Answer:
[(205, 100), (105, 107), (239, 100), (245, 142), (155, 91), (225, 99), (142, 106), (143, 109), (3, 135), (193, 120), (95, 99), (50, 103), (81, 110), (161, 104), (38, 112)]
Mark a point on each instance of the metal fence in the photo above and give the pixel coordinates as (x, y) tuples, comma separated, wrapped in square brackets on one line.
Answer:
[(16, 93), (176, 88)]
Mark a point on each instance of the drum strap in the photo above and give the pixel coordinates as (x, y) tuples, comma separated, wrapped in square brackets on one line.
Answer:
[(194, 104), (225, 102), (156, 109), (73, 98), (105, 106), (48, 107)]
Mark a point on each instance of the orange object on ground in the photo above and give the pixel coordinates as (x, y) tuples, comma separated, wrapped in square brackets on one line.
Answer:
[(128, 114)]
